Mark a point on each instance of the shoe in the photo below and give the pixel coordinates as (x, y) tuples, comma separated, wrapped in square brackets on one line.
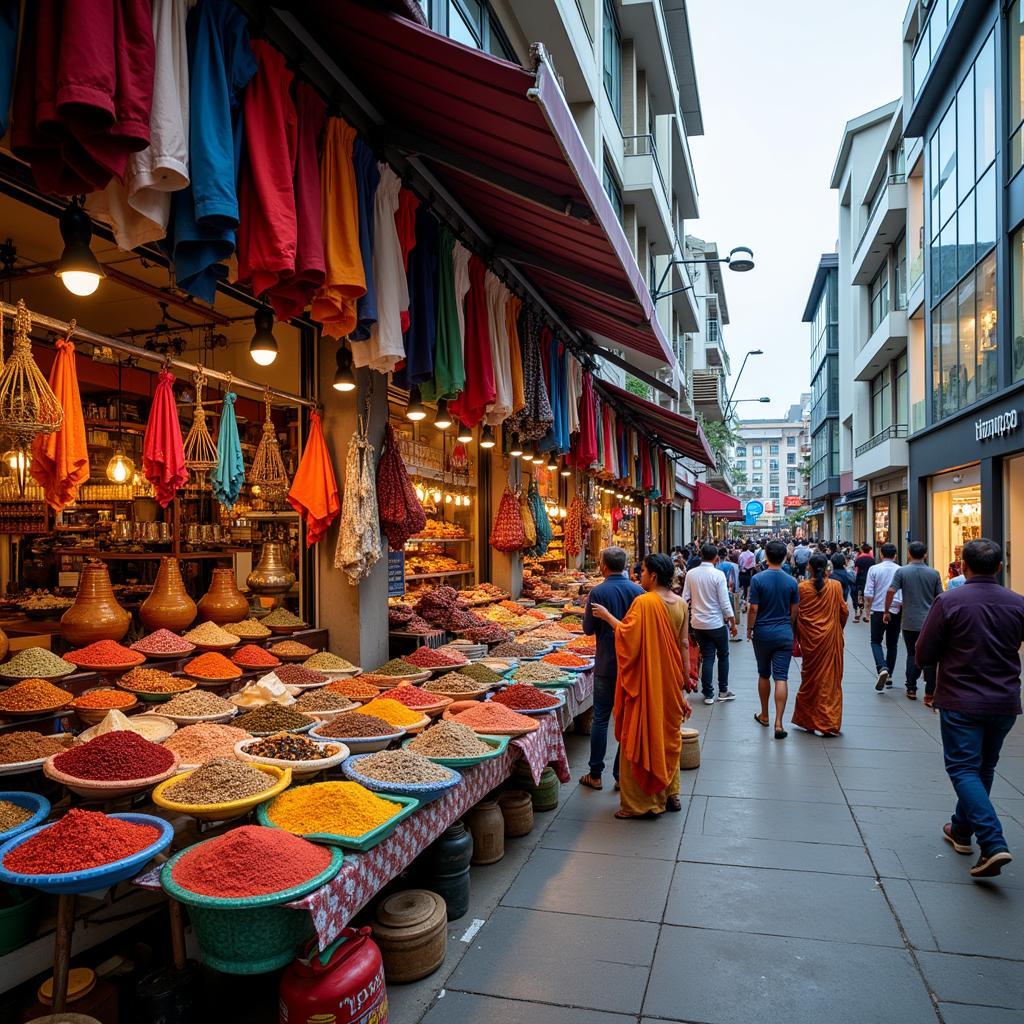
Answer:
[(911, 694), (929, 700), (883, 678), (991, 864), (888, 684), (728, 695), (958, 844), (709, 700)]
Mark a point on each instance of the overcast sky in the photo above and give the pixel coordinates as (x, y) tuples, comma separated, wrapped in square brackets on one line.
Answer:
[(777, 84)]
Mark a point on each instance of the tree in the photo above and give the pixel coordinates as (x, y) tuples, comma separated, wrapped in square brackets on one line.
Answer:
[(721, 436)]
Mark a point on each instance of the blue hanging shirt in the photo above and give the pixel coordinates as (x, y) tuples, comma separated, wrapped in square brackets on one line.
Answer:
[(422, 277), (228, 475), (367, 180)]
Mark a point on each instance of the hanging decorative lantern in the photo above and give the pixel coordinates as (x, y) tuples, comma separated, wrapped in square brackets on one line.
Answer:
[(200, 451), (120, 469), (267, 471)]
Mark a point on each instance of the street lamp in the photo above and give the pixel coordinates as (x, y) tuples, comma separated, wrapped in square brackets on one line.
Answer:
[(763, 400), (728, 401), (740, 259)]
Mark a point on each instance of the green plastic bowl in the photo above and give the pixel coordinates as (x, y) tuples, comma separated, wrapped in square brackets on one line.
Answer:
[(498, 744), (253, 935)]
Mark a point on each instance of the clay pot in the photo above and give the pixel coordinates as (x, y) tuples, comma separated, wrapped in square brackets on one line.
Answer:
[(689, 752), (411, 931), (223, 602), (95, 615), (168, 605)]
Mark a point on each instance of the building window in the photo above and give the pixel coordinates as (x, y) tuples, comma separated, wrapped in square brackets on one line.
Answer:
[(1015, 30), (612, 59), (899, 298), (756, 464), (471, 22), (902, 388), (791, 441), (773, 464), (878, 295), (713, 332), (773, 449), (741, 451), (756, 449), (790, 476), (881, 401), (790, 458), (1017, 246), (613, 190), (756, 480)]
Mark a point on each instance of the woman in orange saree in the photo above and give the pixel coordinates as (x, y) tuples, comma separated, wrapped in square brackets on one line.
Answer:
[(821, 616), (652, 644)]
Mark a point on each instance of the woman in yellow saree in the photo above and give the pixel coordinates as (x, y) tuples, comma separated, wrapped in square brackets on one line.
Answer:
[(652, 644)]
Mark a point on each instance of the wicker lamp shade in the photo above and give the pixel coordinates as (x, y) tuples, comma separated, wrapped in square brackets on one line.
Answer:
[(200, 451), (267, 471), (28, 406)]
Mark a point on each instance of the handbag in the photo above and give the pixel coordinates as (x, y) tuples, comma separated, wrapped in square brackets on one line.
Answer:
[(797, 651)]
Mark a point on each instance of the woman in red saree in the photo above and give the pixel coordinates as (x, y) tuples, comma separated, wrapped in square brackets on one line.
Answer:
[(652, 644), (821, 616)]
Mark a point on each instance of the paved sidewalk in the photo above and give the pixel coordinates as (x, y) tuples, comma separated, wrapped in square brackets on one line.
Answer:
[(805, 880)]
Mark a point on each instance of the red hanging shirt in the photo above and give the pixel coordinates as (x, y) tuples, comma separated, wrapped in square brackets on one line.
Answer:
[(479, 392)]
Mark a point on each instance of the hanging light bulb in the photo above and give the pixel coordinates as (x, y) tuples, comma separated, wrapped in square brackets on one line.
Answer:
[(120, 469), (516, 447), (552, 463), (344, 378), (442, 420), (420, 492), (487, 438), (448, 499), (566, 471), (263, 347), (78, 268), (465, 434), (436, 495), (538, 459), (465, 501), (415, 410), (18, 461)]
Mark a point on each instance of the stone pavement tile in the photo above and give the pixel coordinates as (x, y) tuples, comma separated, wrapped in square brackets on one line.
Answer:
[(630, 888), (560, 958), (911, 917), (974, 979), (893, 761), (958, 1013), (1012, 770), (885, 738), (779, 819), (931, 779), (888, 822), (762, 748), (782, 773), (769, 791), (901, 797), (624, 838), (584, 804), (719, 977), (775, 853), (776, 902), (930, 858), (1012, 807), (465, 1008)]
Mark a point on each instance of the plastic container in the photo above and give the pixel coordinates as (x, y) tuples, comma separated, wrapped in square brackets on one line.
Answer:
[(444, 868), (17, 917), (499, 745), (230, 809), (38, 805)]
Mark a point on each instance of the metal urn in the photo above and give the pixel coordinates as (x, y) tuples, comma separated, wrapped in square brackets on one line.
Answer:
[(272, 576)]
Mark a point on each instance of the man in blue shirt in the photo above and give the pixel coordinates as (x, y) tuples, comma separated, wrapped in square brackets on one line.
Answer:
[(616, 594)]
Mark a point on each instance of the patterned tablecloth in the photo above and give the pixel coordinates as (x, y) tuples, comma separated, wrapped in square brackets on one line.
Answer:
[(578, 698)]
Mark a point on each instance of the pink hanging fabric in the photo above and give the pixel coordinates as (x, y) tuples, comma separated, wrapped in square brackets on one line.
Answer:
[(163, 455)]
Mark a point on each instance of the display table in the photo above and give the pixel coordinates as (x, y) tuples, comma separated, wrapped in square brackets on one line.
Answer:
[(578, 698)]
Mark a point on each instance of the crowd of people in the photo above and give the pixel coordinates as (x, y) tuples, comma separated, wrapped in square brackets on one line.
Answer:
[(666, 628)]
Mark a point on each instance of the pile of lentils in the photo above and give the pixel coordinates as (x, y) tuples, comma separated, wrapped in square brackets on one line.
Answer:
[(322, 700), (197, 744), (537, 672), (12, 815), (36, 663), (286, 746), (251, 656), (196, 704), (28, 745), (524, 697), (352, 725), (402, 766), (33, 695), (250, 629), (296, 675), (163, 641), (154, 680), (453, 683), (283, 618), (397, 667), (269, 718), (519, 649), (292, 649), (480, 673), (209, 634), (326, 660), (220, 781), (449, 739)]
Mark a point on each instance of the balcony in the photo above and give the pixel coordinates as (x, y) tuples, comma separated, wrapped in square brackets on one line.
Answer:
[(887, 341), (714, 346), (887, 217), (643, 21), (684, 181), (884, 453), (644, 186), (709, 396)]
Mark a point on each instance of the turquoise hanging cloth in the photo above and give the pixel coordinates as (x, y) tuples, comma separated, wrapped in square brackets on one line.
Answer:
[(540, 518), (228, 475)]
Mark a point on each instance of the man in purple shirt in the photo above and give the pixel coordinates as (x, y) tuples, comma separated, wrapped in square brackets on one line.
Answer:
[(973, 634)]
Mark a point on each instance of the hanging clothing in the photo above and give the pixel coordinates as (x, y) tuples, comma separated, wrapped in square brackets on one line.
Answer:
[(359, 545), (83, 92), (479, 391), (449, 370), (501, 360), (646, 477), (163, 454), (821, 616), (367, 179), (314, 491), (515, 352), (60, 461), (204, 216), (587, 451), (228, 475), (574, 389), (344, 275), (405, 225), (9, 16), (609, 442), (533, 421), (420, 338), (138, 210)]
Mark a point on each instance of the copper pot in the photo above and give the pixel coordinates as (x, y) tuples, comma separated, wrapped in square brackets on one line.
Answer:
[(5, 645), (168, 605), (95, 615), (223, 602), (273, 574)]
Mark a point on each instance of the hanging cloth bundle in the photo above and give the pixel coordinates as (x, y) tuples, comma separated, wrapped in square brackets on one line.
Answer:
[(507, 533), (163, 455), (359, 547), (529, 526), (401, 515), (200, 451), (28, 406), (267, 471), (535, 419), (314, 492), (541, 521), (228, 475)]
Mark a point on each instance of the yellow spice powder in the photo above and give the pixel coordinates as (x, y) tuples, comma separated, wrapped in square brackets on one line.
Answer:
[(337, 808), (391, 711)]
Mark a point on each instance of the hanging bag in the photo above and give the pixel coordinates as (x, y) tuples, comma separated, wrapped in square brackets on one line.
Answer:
[(507, 534)]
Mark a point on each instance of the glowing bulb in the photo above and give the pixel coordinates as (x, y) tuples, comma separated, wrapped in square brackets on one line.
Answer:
[(436, 495), (80, 282), (420, 492)]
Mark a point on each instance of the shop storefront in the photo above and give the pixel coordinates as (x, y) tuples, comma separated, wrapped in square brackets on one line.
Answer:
[(890, 518), (850, 516)]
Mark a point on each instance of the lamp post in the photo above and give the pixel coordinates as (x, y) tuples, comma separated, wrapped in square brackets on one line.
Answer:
[(764, 400), (728, 400), (740, 259)]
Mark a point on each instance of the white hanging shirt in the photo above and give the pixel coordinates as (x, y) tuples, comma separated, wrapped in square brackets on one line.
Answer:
[(574, 372), (497, 326), (460, 269)]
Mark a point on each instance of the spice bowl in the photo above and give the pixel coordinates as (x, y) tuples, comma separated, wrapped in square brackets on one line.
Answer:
[(425, 792), (38, 805), (40, 712), (219, 718), (299, 769), (159, 696), (499, 745), (412, 677), (229, 809), (105, 789), (356, 744), (212, 683), (19, 767), (287, 630), (529, 712), (93, 716)]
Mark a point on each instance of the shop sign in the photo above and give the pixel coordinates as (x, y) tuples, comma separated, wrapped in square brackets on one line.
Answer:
[(752, 511), (889, 484), (996, 426), (396, 573), (792, 501), (770, 507)]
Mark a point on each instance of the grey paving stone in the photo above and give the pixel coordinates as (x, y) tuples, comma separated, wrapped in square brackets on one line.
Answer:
[(465, 1008), (624, 838), (770, 791), (974, 979), (893, 761), (779, 819), (871, 738), (584, 804), (629, 888), (778, 902), (930, 858), (908, 910), (781, 774), (775, 853), (931, 779), (767, 750), (958, 1013), (722, 977), (901, 797), (982, 919), (563, 959), (1012, 770)]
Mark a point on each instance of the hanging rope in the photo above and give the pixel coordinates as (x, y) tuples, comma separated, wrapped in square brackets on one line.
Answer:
[(200, 451), (28, 406), (267, 471)]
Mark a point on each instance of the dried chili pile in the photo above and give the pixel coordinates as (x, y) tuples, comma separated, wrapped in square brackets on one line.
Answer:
[(115, 757), (492, 634), (104, 698), (443, 609), (251, 656), (103, 654), (507, 534), (565, 659), (79, 841), (427, 657), (401, 515), (413, 696), (249, 861)]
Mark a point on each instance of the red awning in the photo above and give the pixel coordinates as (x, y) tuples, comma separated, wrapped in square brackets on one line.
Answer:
[(678, 433), (502, 140), (714, 502)]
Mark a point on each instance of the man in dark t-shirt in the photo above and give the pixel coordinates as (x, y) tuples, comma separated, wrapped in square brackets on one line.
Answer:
[(861, 564)]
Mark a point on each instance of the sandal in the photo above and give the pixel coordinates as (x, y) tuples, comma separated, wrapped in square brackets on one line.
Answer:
[(781, 734), (626, 816), (672, 804), (761, 721), (591, 782)]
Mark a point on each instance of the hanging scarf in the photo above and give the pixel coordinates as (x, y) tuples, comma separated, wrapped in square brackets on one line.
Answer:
[(540, 520), (228, 475), (587, 451), (314, 491), (359, 546), (533, 422), (163, 455)]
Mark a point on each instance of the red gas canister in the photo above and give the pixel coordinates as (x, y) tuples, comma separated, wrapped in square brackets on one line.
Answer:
[(343, 984)]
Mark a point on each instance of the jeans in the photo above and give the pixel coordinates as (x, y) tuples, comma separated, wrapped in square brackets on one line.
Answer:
[(970, 745), (885, 659), (604, 699), (713, 642), (913, 669)]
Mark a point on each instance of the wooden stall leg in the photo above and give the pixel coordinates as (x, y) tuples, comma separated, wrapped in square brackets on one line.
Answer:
[(62, 950), (178, 935)]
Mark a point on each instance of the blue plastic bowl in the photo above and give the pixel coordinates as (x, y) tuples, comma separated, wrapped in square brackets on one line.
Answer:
[(92, 879), (38, 805), (425, 792)]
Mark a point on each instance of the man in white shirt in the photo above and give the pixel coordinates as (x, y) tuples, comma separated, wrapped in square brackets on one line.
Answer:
[(707, 593), (875, 588)]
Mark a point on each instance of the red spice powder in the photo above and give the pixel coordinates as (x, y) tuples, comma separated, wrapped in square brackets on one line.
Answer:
[(115, 757), (519, 696), (414, 696), (79, 841), (104, 653), (212, 666), (565, 659), (249, 861), (427, 657), (251, 656)]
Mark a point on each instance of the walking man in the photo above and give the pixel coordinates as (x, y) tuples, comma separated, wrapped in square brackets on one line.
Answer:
[(801, 556), (973, 634), (861, 564), (707, 594), (616, 593), (918, 584), (883, 624)]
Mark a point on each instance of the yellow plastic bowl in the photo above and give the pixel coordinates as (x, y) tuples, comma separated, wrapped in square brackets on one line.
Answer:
[(231, 809)]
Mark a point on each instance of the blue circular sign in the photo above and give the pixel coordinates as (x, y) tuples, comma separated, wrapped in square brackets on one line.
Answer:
[(754, 509)]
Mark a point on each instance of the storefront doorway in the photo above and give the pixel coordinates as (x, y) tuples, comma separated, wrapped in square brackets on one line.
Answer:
[(1013, 519), (955, 517)]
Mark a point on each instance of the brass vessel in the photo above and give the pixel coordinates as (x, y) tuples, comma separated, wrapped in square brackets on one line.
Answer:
[(273, 574), (95, 615), (168, 605)]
